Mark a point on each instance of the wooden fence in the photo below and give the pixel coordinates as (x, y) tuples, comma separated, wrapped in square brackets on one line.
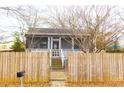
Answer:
[(95, 67), (35, 64)]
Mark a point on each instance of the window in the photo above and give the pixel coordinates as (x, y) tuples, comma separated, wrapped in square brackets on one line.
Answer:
[(66, 43), (44, 46), (43, 43)]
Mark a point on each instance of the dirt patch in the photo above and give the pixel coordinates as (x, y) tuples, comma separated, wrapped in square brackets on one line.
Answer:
[(25, 85), (103, 84)]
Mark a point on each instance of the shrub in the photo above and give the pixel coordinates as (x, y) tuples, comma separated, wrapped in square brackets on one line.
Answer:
[(18, 45)]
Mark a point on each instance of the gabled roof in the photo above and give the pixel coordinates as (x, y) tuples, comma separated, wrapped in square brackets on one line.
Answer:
[(52, 31)]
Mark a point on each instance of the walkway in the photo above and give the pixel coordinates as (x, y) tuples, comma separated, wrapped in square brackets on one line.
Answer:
[(58, 78)]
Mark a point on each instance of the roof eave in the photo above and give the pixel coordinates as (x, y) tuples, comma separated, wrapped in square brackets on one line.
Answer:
[(50, 34)]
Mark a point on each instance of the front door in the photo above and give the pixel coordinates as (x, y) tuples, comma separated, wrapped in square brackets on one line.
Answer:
[(55, 44), (56, 51)]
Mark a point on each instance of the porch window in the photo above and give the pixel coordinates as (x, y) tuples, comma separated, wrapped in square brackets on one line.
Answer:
[(66, 43), (43, 43)]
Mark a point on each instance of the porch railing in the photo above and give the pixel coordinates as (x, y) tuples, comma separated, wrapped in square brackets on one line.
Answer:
[(55, 52)]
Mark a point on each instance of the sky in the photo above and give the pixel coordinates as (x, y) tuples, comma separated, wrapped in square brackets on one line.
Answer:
[(10, 22), (60, 2)]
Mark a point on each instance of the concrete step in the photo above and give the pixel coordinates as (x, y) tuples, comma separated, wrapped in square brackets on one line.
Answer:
[(57, 67), (56, 63), (58, 79), (57, 75)]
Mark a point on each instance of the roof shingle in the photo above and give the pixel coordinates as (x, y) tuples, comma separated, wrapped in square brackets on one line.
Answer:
[(52, 31)]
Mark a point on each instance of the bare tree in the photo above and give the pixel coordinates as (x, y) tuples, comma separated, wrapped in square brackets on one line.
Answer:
[(121, 15), (27, 17), (102, 23)]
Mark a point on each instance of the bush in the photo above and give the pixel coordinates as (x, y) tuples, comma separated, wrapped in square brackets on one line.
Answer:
[(111, 50), (115, 48), (18, 45)]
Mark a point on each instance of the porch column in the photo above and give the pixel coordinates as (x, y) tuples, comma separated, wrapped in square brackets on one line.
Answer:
[(48, 42), (59, 42), (72, 43), (51, 44)]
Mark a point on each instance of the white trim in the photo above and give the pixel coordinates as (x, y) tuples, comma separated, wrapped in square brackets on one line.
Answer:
[(55, 39), (59, 42), (72, 43), (51, 42), (48, 45), (38, 49), (58, 34)]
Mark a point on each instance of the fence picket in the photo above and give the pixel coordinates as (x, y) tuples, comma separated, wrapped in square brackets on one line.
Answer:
[(95, 67), (35, 66)]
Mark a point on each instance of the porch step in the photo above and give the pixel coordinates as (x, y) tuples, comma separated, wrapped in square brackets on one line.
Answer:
[(57, 68), (56, 63), (58, 79)]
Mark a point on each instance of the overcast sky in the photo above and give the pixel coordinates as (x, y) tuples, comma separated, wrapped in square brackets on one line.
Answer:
[(60, 2), (10, 22)]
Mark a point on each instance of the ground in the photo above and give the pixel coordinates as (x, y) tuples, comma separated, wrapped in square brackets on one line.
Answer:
[(58, 79)]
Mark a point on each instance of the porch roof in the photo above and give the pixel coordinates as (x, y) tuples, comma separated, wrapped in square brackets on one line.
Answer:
[(53, 31)]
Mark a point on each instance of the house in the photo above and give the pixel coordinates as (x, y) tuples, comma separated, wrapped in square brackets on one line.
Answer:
[(57, 41), (6, 46)]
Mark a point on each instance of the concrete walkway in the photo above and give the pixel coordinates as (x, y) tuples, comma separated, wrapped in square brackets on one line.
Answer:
[(58, 84), (58, 78)]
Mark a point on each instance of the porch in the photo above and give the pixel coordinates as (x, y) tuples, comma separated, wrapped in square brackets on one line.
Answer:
[(41, 43), (57, 46)]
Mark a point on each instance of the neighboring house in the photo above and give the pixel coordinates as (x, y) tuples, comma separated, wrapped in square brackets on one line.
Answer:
[(6, 46), (57, 41)]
